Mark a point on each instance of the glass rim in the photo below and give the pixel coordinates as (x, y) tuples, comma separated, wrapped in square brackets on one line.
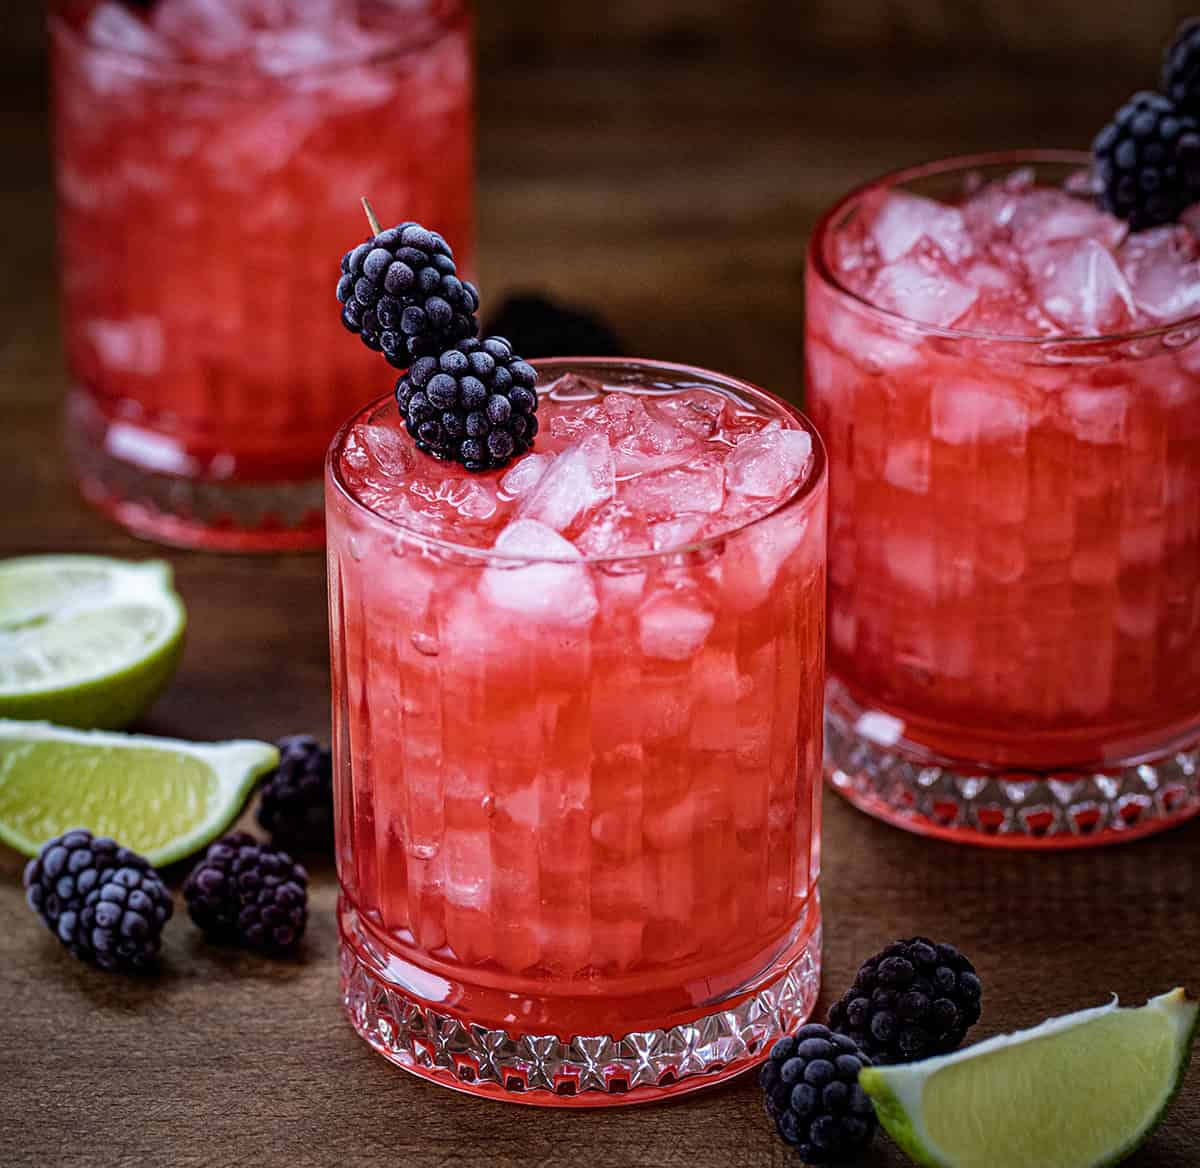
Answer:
[(240, 73), (966, 162), (809, 484)]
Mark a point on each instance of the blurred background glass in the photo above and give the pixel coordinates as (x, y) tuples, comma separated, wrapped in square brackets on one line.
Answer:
[(210, 155)]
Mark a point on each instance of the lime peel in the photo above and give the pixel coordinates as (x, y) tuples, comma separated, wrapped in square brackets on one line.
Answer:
[(162, 797), (1080, 1091)]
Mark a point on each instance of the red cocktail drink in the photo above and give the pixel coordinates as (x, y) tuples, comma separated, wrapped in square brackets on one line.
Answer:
[(205, 149), (577, 733), (1009, 385)]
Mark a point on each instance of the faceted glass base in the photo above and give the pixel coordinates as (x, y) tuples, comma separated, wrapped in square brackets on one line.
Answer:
[(577, 1070), (901, 782), (135, 482)]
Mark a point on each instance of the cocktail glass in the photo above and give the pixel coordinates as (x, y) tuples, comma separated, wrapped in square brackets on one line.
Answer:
[(209, 171), (577, 798), (1014, 544)]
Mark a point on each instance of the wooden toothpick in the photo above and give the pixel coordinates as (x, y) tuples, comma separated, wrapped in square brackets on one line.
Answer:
[(371, 218)]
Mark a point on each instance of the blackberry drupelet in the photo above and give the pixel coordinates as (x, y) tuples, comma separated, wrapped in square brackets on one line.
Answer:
[(105, 903), (248, 893), (811, 1087), (1148, 161), (912, 1000), (296, 808), (475, 403), (541, 327), (401, 293), (1181, 68)]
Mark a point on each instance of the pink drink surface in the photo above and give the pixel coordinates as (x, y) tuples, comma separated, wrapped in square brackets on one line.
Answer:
[(589, 787), (1015, 534), (210, 157)]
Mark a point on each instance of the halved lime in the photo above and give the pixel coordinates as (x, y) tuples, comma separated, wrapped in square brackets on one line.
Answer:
[(86, 640), (161, 797), (1080, 1091)]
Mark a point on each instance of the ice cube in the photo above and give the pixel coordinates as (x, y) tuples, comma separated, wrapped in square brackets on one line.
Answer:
[(468, 867), (114, 26), (120, 73), (554, 588), (1047, 216), (376, 452), (205, 30), (829, 373), (1163, 270), (870, 344), (133, 345), (673, 624), (922, 291), (471, 498), (1004, 314), (990, 211), (572, 388), (613, 530), (907, 466), (964, 412), (988, 276), (676, 533), (700, 411), (754, 557), (910, 559), (854, 252), (1096, 415), (698, 488), (279, 52), (903, 220), (645, 437), (1081, 288), (581, 479), (265, 140), (524, 475), (767, 465)]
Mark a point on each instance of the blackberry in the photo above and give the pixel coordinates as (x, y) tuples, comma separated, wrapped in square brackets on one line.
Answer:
[(810, 1082), (912, 1000), (475, 403), (1148, 161), (1181, 68), (248, 893), (541, 327), (105, 903), (401, 293), (296, 808)]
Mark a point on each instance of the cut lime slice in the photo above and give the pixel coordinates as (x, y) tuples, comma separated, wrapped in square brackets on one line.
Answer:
[(86, 640), (1081, 1091), (161, 797)]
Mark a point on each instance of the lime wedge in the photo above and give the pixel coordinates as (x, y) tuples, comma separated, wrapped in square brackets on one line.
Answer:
[(1080, 1091), (161, 797), (86, 640)]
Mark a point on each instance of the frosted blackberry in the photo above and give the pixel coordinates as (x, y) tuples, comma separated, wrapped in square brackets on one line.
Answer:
[(475, 403), (296, 807), (400, 292), (1181, 68), (1147, 161), (104, 903), (912, 1000), (810, 1085), (248, 893)]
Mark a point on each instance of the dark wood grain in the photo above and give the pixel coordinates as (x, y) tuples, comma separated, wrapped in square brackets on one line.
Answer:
[(677, 197)]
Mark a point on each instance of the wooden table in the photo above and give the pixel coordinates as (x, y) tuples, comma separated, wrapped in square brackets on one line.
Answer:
[(674, 197)]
